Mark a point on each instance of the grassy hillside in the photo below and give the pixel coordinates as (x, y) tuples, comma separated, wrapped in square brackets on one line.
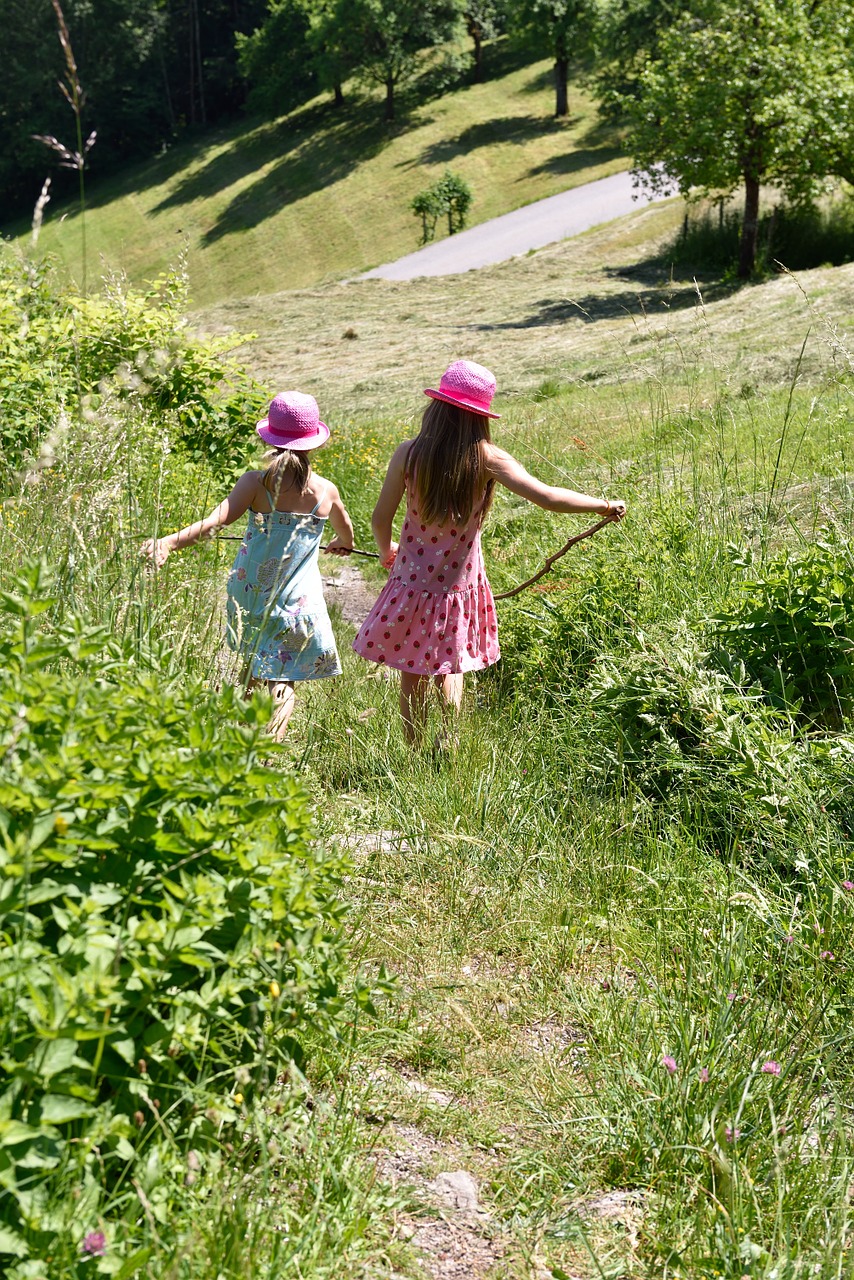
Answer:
[(578, 319), (619, 921), (322, 192)]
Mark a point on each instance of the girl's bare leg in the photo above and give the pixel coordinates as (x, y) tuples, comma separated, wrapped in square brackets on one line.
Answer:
[(450, 690), (282, 693), (413, 705)]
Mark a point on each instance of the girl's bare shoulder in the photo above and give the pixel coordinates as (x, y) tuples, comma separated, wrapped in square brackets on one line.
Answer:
[(495, 459), (319, 487), (401, 453)]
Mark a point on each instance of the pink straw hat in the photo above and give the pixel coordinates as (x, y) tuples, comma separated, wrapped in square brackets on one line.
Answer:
[(293, 422), (468, 385)]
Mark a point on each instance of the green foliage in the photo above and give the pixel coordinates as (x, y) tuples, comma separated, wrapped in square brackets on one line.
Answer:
[(450, 197), (59, 350), (275, 59), (799, 237), (794, 630), (747, 91), (169, 934), (385, 37)]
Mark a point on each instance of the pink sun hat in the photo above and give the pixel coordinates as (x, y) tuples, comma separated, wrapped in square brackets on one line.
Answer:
[(468, 385), (293, 422)]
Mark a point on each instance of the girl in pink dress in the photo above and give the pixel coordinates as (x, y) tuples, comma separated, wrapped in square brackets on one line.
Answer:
[(435, 617)]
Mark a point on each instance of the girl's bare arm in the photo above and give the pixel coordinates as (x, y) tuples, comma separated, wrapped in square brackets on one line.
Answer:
[(389, 500), (339, 518), (504, 468), (230, 509)]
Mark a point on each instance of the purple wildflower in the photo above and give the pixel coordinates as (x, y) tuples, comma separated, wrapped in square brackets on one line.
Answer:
[(704, 1075), (770, 1068), (95, 1243), (730, 996), (827, 955), (732, 1135), (790, 937), (670, 1063), (848, 884)]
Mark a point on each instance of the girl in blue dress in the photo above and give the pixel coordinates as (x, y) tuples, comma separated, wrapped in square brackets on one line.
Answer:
[(277, 617)]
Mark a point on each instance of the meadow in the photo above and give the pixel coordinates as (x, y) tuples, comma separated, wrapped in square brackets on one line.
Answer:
[(601, 960), (322, 191)]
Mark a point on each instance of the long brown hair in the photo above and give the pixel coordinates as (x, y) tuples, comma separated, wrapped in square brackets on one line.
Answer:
[(445, 462), (285, 469)]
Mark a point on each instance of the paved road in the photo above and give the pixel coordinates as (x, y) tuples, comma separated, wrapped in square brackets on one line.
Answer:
[(513, 233)]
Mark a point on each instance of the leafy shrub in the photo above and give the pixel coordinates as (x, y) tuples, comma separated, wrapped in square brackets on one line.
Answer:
[(800, 238), (671, 727), (450, 197), (794, 631), (168, 934), (58, 350)]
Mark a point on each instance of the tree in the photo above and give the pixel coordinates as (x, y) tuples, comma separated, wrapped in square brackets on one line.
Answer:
[(147, 67), (276, 59), (384, 37), (745, 92), (559, 26), (625, 37), (483, 19)]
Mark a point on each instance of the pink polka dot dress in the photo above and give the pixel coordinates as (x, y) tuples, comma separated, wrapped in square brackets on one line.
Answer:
[(435, 616)]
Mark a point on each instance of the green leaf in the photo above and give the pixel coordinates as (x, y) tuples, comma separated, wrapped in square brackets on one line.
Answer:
[(57, 1108)]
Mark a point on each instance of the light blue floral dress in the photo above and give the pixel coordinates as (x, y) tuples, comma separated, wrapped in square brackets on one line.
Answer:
[(276, 615)]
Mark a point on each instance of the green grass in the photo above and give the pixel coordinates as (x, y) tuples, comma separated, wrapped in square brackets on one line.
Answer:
[(322, 192), (556, 921)]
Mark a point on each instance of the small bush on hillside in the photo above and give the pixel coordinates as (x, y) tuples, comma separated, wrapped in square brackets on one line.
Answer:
[(168, 934), (449, 198), (794, 630), (59, 352)]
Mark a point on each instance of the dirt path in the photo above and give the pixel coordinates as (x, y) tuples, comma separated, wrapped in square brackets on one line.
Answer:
[(346, 588)]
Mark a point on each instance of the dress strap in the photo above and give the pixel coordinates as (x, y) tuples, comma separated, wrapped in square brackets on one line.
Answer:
[(270, 498), (313, 511)]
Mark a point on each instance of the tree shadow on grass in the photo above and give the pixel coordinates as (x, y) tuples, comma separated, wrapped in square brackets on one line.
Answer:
[(590, 308), (313, 152), (486, 133)]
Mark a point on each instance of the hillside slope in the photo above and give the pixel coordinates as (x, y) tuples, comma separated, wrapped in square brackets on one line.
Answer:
[(594, 311), (321, 192)]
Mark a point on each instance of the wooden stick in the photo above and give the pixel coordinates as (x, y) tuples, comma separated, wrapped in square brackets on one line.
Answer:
[(354, 551), (238, 537), (541, 573)]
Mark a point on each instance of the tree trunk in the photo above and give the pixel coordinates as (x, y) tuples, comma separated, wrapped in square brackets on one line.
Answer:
[(389, 98), (339, 94), (478, 56), (561, 95), (202, 111), (191, 32), (749, 228)]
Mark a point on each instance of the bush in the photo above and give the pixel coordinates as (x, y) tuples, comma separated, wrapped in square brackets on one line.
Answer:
[(794, 631), (58, 350), (450, 197), (168, 934), (668, 726), (800, 238)]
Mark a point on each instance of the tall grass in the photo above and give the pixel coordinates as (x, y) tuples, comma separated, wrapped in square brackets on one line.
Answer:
[(625, 958)]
